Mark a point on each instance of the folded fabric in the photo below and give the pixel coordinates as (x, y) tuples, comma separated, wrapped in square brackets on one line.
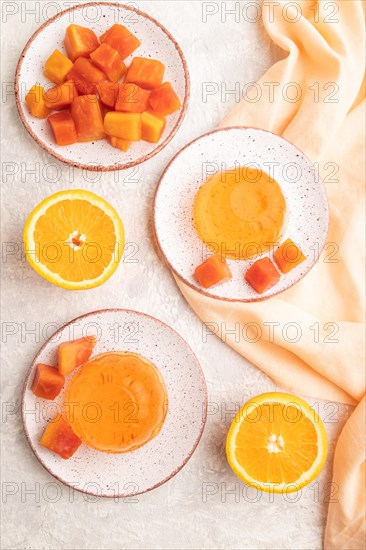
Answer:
[(346, 517), (315, 98)]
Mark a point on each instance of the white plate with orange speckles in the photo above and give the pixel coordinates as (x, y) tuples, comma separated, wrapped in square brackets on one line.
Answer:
[(156, 42), (121, 475), (304, 193)]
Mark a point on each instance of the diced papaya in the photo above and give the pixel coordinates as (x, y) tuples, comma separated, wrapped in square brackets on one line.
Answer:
[(123, 125), (63, 128), (75, 353), (57, 67), (152, 126), (36, 102), (104, 109), (61, 96), (59, 438), (83, 86), (164, 100), (132, 98), (288, 255), (47, 382), (85, 76), (108, 93), (121, 39), (147, 73), (213, 271), (262, 275), (80, 41), (88, 119), (119, 143), (109, 61)]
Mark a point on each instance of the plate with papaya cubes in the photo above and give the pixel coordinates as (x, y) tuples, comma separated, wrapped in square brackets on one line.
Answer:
[(240, 214), (115, 403), (105, 95)]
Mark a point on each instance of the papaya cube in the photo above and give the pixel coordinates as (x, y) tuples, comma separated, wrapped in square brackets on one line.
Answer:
[(57, 67), (123, 125), (36, 102), (119, 143), (147, 73), (132, 98), (82, 86), (152, 126), (262, 275), (47, 382), (121, 39), (109, 61), (104, 109), (288, 256), (213, 271), (164, 100), (80, 41), (61, 96), (59, 438), (85, 76), (63, 128), (88, 119), (108, 93), (75, 353)]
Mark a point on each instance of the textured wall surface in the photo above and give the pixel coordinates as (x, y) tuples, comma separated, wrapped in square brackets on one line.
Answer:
[(204, 506)]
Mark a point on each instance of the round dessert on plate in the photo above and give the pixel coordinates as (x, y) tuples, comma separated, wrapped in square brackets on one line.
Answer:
[(239, 211), (132, 402), (240, 214), (128, 417)]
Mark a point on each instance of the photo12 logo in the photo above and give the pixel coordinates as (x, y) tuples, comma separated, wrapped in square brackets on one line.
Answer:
[(75, 491), (40, 11), (214, 492), (253, 11), (22, 332), (271, 92), (290, 332)]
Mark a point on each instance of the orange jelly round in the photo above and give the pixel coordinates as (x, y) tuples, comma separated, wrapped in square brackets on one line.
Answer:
[(116, 402), (240, 212)]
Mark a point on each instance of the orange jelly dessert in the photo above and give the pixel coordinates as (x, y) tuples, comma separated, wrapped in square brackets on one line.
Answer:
[(116, 402), (240, 212)]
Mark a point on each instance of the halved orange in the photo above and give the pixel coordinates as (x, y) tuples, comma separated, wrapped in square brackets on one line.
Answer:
[(277, 443), (74, 239)]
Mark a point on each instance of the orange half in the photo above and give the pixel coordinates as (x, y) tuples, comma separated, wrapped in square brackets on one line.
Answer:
[(277, 443), (74, 239), (116, 402)]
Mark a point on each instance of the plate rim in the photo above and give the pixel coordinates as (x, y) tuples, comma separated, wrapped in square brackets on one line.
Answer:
[(203, 417), (110, 167), (258, 298)]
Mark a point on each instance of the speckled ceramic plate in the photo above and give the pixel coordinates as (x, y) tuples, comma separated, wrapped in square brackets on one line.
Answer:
[(156, 42), (306, 205), (127, 474)]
